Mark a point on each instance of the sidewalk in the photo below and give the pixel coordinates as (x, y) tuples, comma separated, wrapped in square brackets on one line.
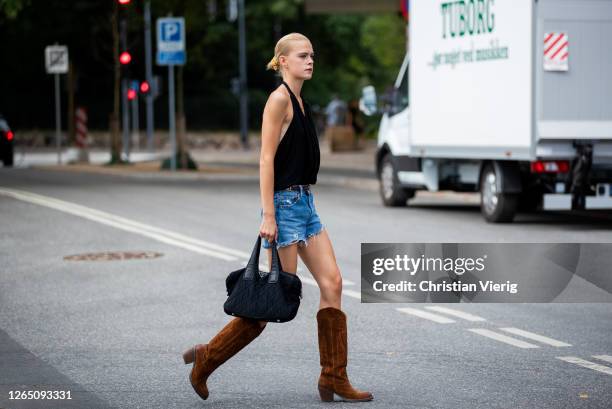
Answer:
[(352, 163), (352, 168)]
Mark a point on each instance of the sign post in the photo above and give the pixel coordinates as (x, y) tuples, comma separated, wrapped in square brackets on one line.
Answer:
[(56, 62), (171, 52)]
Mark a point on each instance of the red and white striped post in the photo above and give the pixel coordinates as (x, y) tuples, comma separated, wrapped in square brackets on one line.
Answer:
[(81, 133)]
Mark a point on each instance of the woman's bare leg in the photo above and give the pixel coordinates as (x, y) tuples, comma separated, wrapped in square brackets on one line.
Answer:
[(320, 260)]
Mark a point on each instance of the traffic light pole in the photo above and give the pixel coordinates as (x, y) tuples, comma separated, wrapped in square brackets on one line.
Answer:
[(148, 75), (243, 78), (125, 119), (135, 124), (124, 99)]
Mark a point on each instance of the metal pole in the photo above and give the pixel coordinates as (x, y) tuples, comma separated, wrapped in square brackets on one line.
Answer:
[(124, 101), (126, 119), (171, 120), (243, 77), (135, 124), (149, 75), (58, 119)]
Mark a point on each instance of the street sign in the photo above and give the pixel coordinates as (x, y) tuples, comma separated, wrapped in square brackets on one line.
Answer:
[(56, 59), (171, 41), (56, 63), (171, 52)]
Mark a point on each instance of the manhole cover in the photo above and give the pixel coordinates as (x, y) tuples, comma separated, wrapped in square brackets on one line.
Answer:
[(114, 255)]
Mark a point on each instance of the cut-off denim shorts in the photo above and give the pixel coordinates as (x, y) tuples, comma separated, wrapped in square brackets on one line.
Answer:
[(296, 217)]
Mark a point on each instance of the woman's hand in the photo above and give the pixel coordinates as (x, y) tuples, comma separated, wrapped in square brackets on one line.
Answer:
[(268, 229)]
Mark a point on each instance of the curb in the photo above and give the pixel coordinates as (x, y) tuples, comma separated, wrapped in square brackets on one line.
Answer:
[(220, 175)]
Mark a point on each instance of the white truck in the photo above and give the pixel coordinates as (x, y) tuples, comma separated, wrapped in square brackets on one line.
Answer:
[(512, 98)]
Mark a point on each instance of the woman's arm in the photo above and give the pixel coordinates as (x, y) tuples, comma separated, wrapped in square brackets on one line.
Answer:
[(273, 116)]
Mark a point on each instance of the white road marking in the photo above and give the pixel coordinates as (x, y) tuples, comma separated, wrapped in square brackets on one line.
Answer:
[(456, 313), (161, 235), (502, 338), (352, 293), (586, 364), (607, 358), (536, 337), (427, 315)]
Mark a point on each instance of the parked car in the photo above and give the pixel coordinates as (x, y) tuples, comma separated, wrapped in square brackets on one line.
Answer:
[(6, 142)]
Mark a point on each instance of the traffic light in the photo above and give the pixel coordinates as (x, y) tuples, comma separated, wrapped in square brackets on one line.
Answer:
[(125, 58), (131, 93), (124, 2), (145, 88)]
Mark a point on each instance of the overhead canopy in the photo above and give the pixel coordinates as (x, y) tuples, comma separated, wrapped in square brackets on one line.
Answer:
[(350, 6)]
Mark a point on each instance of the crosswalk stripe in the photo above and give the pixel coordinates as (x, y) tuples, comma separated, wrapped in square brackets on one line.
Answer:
[(456, 313), (502, 338), (586, 364), (536, 337), (426, 315), (606, 358)]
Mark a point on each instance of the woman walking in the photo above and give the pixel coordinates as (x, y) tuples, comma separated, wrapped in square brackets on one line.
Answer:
[(289, 163)]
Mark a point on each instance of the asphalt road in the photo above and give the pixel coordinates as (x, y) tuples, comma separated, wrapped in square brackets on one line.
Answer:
[(112, 331)]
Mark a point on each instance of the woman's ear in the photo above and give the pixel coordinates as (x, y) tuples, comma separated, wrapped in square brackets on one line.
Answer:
[(282, 59)]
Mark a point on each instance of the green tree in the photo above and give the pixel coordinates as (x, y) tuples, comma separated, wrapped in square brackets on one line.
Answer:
[(11, 8)]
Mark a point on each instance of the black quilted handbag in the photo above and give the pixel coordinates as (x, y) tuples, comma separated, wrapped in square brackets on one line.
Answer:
[(261, 295)]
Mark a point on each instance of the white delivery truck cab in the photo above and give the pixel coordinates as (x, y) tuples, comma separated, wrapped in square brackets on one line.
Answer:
[(512, 98)]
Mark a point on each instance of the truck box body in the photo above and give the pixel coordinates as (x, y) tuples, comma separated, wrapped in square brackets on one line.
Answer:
[(478, 87), (576, 104)]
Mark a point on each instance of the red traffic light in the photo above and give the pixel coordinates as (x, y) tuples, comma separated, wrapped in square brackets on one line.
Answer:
[(124, 2), (125, 58), (131, 94), (9, 135), (145, 87)]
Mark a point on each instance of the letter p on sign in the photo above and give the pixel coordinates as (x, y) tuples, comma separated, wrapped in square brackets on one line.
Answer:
[(171, 32)]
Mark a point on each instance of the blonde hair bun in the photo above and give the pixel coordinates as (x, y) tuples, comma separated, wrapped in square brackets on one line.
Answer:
[(273, 64)]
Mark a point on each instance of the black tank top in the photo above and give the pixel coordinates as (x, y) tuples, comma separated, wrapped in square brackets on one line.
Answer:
[(297, 156)]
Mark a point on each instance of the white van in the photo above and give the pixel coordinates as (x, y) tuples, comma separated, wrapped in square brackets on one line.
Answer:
[(512, 98)]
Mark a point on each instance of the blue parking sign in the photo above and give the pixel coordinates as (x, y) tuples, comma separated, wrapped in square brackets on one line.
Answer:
[(171, 41)]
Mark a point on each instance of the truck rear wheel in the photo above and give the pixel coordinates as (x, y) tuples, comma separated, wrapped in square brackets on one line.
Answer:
[(391, 192), (496, 206)]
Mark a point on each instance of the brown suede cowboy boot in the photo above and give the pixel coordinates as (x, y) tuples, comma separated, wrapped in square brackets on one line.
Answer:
[(237, 334), (333, 352)]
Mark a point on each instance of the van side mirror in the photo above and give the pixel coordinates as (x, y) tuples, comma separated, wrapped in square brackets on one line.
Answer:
[(368, 103)]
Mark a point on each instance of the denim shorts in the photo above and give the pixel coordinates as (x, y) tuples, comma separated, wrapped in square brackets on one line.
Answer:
[(296, 217)]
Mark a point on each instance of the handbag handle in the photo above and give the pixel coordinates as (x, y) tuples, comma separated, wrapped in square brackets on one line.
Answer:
[(253, 264)]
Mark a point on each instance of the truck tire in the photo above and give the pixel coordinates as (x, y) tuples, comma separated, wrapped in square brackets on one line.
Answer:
[(391, 192), (495, 206)]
